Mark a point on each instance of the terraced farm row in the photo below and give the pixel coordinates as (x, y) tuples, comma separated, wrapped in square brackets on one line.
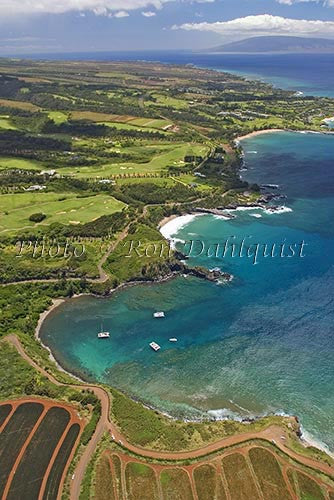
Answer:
[(249, 472), (37, 442)]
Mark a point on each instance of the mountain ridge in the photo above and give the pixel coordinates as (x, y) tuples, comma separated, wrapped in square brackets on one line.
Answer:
[(271, 44)]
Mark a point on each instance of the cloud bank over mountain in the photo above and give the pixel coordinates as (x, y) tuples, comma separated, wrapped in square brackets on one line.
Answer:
[(263, 25)]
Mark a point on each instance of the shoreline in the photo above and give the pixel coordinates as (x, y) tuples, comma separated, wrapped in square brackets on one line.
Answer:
[(261, 132), (276, 130), (306, 439)]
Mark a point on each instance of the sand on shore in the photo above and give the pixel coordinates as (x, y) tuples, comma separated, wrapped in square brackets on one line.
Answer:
[(259, 132), (171, 225), (54, 305)]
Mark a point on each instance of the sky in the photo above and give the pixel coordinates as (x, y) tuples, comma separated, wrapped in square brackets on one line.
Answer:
[(47, 26)]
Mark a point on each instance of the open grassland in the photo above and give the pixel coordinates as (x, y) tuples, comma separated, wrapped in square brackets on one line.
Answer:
[(31, 462), (64, 208)]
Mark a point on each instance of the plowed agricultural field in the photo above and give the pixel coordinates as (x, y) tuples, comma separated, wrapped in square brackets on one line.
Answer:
[(249, 472), (37, 441)]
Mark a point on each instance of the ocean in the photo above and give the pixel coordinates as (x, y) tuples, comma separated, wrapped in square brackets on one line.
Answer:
[(260, 344)]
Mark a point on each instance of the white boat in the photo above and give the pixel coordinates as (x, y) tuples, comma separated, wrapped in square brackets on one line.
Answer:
[(159, 314), (155, 346), (103, 335), (173, 340)]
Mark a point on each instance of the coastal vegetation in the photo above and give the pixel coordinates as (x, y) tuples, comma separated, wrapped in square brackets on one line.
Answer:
[(92, 159)]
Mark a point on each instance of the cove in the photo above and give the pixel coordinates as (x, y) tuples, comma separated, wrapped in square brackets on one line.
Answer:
[(262, 343)]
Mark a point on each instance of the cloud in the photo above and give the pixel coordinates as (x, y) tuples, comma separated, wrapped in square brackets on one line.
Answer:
[(149, 13), (16, 8), (325, 3), (121, 13), (264, 25)]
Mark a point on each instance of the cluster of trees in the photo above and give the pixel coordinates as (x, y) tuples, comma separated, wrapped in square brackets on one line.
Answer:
[(150, 193), (14, 143)]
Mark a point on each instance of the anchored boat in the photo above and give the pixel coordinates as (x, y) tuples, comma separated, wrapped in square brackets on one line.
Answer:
[(159, 314), (155, 346), (102, 334)]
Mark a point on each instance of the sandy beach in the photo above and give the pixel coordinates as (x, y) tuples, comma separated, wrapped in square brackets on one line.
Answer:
[(259, 132), (173, 224), (55, 304)]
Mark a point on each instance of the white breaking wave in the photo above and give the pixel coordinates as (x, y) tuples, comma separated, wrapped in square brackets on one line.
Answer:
[(281, 210), (173, 226), (311, 441), (221, 217), (224, 414)]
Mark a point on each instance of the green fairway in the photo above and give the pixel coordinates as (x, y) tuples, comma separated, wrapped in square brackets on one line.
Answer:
[(20, 163), (170, 155), (57, 116), (130, 126), (164, 100), (6, 124), (150, 122), (15, 209)]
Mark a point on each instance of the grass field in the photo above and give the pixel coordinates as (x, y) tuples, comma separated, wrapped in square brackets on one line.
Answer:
[(20, 163), (165, 100), (57, 116), (65, 208), (130, 126), (169, 155), (6, 124)]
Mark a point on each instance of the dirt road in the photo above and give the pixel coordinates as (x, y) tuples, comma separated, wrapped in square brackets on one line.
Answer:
[(273, 434)]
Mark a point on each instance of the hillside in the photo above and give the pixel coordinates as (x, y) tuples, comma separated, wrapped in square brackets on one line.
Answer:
[(277, 44)]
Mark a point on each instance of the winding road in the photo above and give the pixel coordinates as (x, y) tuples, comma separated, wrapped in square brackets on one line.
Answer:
[(274, 434)]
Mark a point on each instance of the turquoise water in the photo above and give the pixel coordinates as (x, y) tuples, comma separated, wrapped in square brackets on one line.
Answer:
[(263, 343)]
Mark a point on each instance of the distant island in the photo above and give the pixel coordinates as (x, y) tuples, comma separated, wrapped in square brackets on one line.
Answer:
[(292, 44)]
